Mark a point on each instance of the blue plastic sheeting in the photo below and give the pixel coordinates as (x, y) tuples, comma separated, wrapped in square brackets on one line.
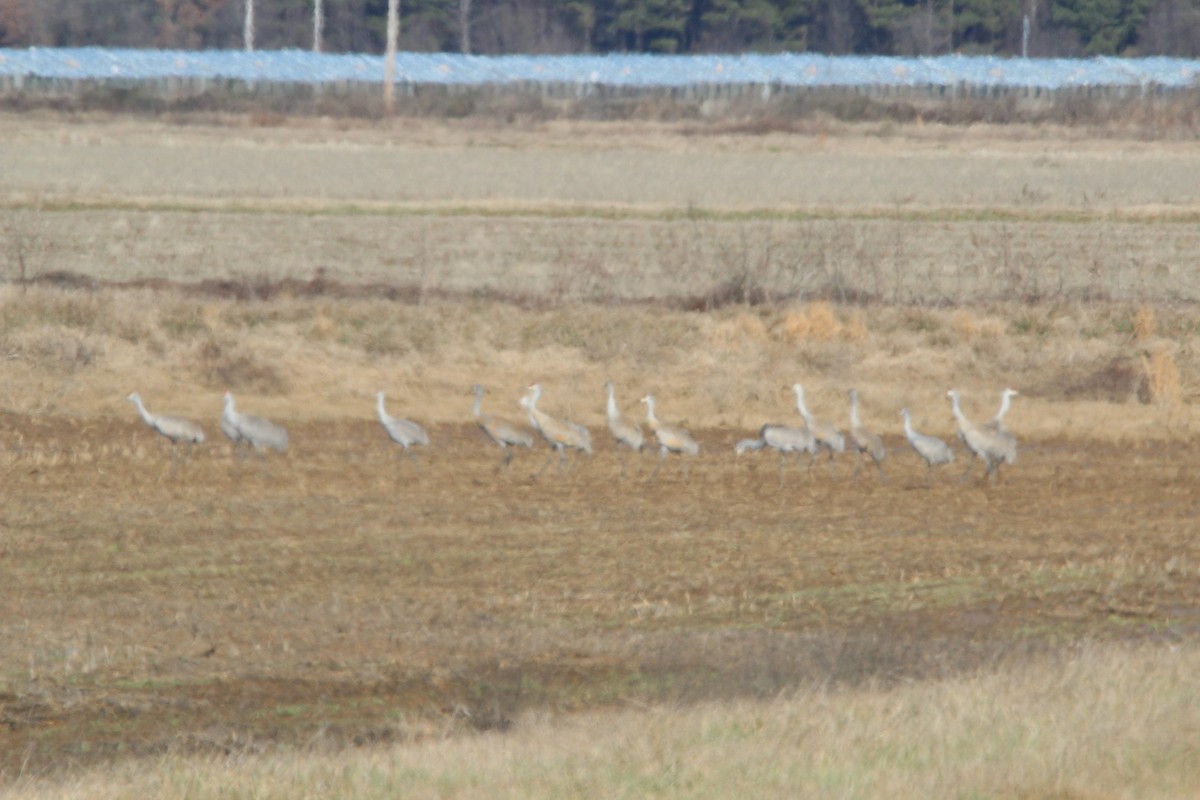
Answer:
[(609, 70)]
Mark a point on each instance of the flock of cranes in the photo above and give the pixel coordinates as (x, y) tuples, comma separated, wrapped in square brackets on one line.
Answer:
[(991, 442)]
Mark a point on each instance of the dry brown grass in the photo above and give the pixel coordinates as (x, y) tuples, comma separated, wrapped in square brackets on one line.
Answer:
[(1096, 723)]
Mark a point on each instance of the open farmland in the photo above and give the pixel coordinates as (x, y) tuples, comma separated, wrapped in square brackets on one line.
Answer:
[(341, 595)]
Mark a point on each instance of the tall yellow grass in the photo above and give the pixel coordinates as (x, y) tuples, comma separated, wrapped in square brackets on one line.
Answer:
[(1096, 723), (80, 352)]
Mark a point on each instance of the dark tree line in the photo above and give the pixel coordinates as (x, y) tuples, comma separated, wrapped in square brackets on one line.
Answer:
[(886, 27)]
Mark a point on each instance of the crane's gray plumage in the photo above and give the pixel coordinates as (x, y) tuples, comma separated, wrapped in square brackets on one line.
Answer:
[(930, 448), (259, 433), (825, 434), (989, 446), (784, 439), (671, 438), (625, 432), (403, 432), (864, 441), (748, 446), (504, 433), (177, 429), (558, 433)]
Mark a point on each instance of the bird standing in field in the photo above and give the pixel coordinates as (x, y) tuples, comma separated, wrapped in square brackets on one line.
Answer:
[(504, 433), (403, 432), (671, 439), (258, 433), (930, 448), (625, 432), (177, 429), (864, 441), (784, 439), (558, 433), (989, 446), (825, 434)]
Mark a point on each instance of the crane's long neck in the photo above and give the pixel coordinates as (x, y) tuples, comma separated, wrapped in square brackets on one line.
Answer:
[(1005, 401), (802, 408), (612, 403), (908, 430), (651, 419), (958, 415), (854, 411), (229, 409), (146, 415), (477, 408), (379, 406)]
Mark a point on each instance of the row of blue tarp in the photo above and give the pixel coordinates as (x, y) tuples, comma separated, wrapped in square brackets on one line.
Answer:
[(798, 69)]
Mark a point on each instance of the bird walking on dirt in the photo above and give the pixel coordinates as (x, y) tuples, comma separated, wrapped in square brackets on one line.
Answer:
[(177, 429), (825, 433), (671, 438), (989, 446), (258, 433), (560, 434), (930, 448), (626, 433), (403, 432), (864, 441), (504, 433)]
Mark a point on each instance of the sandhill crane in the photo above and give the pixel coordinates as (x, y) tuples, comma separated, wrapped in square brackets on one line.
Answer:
[(784, 439), (864, 441), (177, 429), (826, 435), (626, 432), (930, 448), (996, 423), (257, 432), (504, 433), (991, 447), (671, 439), (558, 433), (403, 432)]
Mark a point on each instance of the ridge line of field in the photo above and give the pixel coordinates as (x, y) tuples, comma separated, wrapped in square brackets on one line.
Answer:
[(315, 207)]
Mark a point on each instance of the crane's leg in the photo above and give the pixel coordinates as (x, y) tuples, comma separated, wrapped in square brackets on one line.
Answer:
[(831, 475), (662, 455), (507, 456), (782, 464), (174, 459), (858, 459), (929, 473)]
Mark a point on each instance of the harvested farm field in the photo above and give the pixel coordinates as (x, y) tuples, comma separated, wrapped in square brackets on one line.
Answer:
[(168, 617)]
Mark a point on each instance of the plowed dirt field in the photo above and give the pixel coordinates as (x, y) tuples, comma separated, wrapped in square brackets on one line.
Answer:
[(342, 594)]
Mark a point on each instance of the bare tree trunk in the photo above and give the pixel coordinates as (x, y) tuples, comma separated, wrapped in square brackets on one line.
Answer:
[(248, 26), (464, 26), (318, 24), (389, 64)]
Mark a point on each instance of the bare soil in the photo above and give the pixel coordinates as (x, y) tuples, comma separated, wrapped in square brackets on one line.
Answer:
[(344, 595)]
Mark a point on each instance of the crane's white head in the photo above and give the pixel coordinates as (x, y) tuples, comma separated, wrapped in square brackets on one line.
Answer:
[(904, 413), (1011, 392), (648, 399), (798, 389), (134, 398), (477, 389)]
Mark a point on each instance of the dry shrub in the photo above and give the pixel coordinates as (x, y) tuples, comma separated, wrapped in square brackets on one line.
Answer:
[(1143, 323), (1162, 377), (739, 330), (965, 323), (222, 366), (814, 321)]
